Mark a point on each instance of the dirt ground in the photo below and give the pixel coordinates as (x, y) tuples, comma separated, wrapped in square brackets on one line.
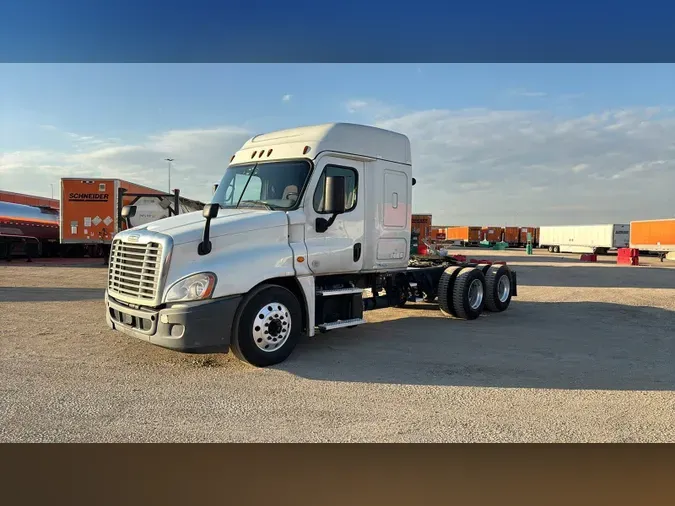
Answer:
[(585, 353)]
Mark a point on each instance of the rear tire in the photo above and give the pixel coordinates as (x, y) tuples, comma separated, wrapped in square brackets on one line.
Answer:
[(445, 290), (483, 267), (267, 326), (468, 294), (556, 249), (498, 288)]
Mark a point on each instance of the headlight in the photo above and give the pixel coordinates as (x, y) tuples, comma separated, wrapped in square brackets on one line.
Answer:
[(196, 287)]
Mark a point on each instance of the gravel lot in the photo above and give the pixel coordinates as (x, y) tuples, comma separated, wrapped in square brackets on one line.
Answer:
[(585, 354)]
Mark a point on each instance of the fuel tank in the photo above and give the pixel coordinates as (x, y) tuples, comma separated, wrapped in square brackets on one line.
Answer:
[(28, 221)]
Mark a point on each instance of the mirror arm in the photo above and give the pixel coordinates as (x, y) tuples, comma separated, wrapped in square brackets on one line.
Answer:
[(322, 224), (209, 212), (204, 247), (332, 220)]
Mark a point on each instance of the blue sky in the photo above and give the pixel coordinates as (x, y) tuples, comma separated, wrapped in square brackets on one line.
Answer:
[(130, 100), (96, 118)]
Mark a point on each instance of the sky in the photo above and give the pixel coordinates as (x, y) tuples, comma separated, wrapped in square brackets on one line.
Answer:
[(527, 144)]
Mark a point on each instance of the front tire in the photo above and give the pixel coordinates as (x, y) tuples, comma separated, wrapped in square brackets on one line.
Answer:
[(267, 326)]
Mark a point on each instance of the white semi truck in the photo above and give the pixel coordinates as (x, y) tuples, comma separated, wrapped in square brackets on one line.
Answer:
[(304, 224), (584, 238)]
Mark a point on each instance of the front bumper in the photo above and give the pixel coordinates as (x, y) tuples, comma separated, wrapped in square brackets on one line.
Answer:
[(198, 327)]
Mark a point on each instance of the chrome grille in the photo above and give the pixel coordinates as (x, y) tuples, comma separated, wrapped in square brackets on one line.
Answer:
[(134, 269)]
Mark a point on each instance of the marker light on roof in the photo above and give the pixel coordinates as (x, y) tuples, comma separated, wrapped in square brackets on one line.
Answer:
[(231, 158), (269, 152), (253, 155), (262, 152), (306, 150)]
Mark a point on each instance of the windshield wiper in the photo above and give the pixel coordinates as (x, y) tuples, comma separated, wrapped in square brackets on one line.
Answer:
[(257, 202)]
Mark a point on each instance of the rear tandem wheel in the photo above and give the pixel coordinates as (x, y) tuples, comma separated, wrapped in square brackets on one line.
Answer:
[(461, 292)]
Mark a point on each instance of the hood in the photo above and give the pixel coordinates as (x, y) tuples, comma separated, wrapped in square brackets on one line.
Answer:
[(189, 227)]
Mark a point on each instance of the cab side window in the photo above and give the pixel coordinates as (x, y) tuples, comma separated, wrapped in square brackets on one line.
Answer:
[(351, 187)]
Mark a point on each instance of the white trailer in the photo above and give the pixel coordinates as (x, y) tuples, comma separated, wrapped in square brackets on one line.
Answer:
[(584, 238), (303, 223)]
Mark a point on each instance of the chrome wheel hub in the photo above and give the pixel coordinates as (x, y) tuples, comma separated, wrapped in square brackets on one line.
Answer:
[(475, 294), (271, 327), (503, 288)]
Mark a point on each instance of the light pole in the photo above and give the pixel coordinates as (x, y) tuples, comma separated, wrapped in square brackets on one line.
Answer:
[(169, 160)]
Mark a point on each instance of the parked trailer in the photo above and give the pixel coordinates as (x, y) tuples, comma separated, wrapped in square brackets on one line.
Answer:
[(252, 274), (27, 230), (534, 234), (90, 211), (511, 236), (653, 236), (438, 234), (464, 236), (421, 223), (584, 238), (491, 234), (28, 200)]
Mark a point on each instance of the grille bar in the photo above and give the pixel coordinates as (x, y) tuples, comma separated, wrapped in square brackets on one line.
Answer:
[(134, 269)]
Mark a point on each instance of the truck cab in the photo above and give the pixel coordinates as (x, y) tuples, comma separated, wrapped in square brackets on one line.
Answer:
[(301, 223)]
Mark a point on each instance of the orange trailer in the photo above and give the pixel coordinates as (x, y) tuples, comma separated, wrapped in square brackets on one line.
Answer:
[(533, 231), (89, 209), (491, 234), (653, 235), (466, 235), (511, 235), (438, 233)]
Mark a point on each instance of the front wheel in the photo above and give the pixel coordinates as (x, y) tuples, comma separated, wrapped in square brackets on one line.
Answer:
[(267, 326)]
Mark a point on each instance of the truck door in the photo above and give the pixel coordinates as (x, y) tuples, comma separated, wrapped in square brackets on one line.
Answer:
[(340, 248)]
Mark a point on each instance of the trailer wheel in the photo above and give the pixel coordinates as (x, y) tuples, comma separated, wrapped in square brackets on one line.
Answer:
[(445, 290), (468, 294), (267, 326), (556, 249), (498, 288)]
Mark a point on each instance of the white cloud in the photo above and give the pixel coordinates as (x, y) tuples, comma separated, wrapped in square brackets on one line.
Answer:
[(528, 93), (356, 105), (473, 166), (286, 98), (201, 156), (485, 166), (370, 108)]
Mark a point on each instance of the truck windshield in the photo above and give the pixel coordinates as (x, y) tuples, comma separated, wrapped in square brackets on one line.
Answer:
[(271, 185)]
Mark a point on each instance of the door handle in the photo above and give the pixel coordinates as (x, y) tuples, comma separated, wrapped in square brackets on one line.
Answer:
[(357, 251)]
